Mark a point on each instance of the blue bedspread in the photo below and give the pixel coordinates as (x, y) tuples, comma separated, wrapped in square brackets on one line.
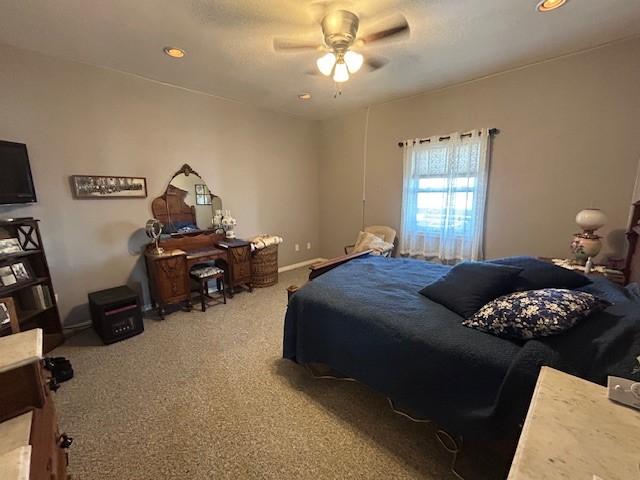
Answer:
[(366, 320)]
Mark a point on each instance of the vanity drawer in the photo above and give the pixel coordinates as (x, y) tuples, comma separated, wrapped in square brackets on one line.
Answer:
[(170, 280), (241, 255), (242, 272)]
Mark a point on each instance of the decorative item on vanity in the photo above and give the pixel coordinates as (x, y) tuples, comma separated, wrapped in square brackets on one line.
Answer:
[(587, 244), (228, 224), (153, 229), (98, 186), (264, 265), (217, 222)]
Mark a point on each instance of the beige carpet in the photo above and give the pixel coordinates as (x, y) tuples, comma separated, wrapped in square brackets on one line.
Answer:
[(207, 396)]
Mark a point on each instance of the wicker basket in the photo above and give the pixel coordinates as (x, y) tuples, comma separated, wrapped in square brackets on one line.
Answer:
[(264, 267)]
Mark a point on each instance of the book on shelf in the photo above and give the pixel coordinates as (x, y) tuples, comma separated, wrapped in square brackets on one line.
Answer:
[(37, 297)]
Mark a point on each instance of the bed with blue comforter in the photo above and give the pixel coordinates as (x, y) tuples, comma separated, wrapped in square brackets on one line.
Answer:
[(366, 320)]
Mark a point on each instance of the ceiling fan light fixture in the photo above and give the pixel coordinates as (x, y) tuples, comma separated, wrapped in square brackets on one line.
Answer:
[(549, 5), (353, 60), (325, 63), (341, 73)]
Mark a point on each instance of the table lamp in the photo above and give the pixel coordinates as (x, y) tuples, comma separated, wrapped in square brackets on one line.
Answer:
[(587, 244)]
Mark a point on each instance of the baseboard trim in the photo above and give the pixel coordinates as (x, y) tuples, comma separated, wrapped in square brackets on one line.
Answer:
[(293, 266)]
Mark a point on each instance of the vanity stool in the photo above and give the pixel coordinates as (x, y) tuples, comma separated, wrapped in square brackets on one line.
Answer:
[(204, 273)]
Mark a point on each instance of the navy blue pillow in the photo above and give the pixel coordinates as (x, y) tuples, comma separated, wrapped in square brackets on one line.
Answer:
[(470, 285), (537, 274)]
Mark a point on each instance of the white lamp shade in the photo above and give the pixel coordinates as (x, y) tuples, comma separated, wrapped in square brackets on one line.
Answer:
[(341, 73), (353, 60), (325, 63), (591, 219)]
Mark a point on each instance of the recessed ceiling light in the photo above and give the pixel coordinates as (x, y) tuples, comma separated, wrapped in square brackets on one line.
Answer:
[(304, 96), (173, 52), (548, 5)]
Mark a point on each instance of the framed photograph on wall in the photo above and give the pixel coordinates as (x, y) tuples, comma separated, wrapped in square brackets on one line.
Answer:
[(98, 186), (10, 245)]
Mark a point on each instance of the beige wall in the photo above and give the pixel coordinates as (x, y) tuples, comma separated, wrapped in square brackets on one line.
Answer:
[(78, 119), (568, 140)]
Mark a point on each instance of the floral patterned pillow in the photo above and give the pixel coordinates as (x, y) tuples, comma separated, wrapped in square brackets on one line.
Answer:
[(535, 313)]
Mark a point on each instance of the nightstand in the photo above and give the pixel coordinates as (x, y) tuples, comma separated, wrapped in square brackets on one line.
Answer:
[(615, 276)]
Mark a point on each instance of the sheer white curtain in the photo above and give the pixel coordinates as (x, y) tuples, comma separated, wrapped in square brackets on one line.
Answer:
[(444, 195)]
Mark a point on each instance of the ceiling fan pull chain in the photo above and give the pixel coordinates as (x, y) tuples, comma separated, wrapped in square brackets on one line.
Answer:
[(338, 90)]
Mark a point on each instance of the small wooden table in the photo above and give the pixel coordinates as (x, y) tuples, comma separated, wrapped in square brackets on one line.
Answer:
[(573, 431)]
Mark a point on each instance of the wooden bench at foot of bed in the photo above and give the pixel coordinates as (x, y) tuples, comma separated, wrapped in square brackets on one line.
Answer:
[(320, 268)]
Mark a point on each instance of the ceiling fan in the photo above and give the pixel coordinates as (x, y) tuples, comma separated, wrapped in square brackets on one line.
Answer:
[(340, 32)]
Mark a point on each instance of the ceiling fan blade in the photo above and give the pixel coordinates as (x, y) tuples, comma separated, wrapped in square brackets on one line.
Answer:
[(375, 63), (281, 44), (396, 26)]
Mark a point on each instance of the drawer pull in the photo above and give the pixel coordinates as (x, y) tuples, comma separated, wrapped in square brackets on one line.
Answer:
[(65, 441)]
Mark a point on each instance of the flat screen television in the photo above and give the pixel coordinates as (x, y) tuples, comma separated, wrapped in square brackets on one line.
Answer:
[(16, 183)]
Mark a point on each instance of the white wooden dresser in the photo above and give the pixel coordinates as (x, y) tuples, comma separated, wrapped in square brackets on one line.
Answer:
[(573, 431), (31, 446)]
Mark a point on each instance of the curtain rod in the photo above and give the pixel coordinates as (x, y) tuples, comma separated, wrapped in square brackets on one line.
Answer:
[(492, 131)]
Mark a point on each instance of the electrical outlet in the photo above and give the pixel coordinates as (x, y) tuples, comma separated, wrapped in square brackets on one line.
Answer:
[(297, 247), (308, 245)]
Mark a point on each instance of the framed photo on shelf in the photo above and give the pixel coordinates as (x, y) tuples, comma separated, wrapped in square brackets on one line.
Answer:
[(17, 272), (21, 271), (8, 315), (7, 278), (98, 186), (10, 245)]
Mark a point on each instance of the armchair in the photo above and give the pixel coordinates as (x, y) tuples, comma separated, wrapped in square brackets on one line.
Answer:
[(386, 234)]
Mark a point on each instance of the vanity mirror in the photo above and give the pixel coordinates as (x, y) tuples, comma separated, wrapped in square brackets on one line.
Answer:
[(188, 205)]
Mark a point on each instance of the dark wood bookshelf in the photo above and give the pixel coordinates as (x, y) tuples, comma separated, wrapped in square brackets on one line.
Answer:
[(7, 257), (4, 291), (27, 315), (34, 260)]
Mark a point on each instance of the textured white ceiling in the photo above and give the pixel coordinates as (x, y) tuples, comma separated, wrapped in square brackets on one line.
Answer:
[(230, 54)]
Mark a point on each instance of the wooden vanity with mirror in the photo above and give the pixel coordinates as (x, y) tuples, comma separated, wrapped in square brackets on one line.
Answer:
[(186, 210)]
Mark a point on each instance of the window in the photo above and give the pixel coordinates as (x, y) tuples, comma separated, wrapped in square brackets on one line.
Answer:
[(443, 197), (439, 201)]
